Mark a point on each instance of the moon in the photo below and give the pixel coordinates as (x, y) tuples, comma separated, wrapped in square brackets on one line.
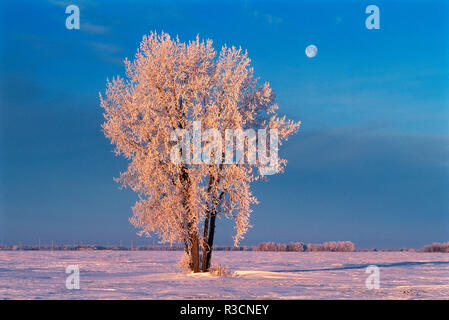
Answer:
[(311, 51)]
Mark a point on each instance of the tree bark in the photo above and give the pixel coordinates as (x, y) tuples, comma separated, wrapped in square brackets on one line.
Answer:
[(195, 253), (204, 244), (192, 232), (210, 243), (210, 240)]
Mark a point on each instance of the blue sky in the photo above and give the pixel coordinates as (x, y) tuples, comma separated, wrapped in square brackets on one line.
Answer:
[(370, 163)]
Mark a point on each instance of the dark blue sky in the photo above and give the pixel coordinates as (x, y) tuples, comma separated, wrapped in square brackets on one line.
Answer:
[(370, 163)]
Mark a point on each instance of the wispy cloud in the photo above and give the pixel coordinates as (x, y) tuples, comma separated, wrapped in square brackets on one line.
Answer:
[(261, 15), (93, 28), (271, 19), (106, 51), (61, 3), (104, 47)]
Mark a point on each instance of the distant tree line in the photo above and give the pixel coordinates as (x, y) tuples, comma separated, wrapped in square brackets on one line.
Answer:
[(437, 247), (330, 246)]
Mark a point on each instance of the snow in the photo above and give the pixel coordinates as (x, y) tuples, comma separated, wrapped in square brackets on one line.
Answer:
[(257, 275)]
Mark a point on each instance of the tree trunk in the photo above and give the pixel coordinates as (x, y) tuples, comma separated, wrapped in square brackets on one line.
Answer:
[(204, 244), (210, 243), (193, 234), (195, 253)]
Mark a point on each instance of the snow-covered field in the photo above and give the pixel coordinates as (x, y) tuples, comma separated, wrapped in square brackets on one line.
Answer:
[(258, 275)]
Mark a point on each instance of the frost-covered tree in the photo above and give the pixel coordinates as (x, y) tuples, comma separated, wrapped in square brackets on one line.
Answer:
[(170, 85)]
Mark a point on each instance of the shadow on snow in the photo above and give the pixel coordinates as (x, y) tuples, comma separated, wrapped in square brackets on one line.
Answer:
[(363, 266)]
